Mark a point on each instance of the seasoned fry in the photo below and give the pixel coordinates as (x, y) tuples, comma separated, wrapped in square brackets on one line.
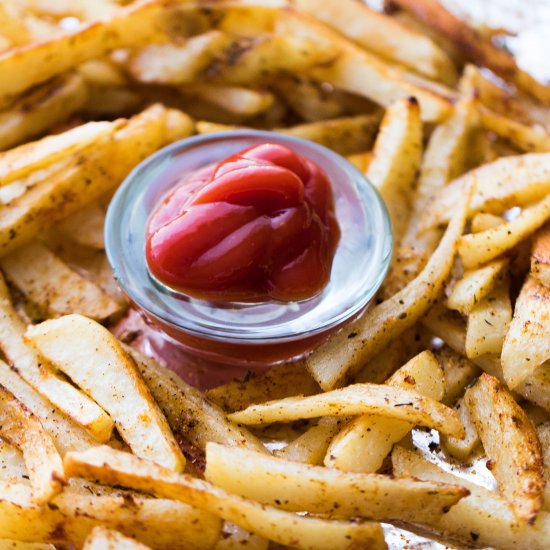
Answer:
[(42, 461), (462, 449), (476, 249), (527, 345), (108, 539), (298, 487), (283, 527), (459, 372), (30, 366), (48, 282), (90, 357), (42, 108), (396, 161), (364, 443), (511, 444), (386, 401), (540, 258), (344, 354)]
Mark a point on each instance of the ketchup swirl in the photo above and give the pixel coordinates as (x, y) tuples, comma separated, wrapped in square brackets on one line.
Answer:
[(258, 225)]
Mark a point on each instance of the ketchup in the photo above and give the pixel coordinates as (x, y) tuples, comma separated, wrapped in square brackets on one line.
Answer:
[(258, 225)]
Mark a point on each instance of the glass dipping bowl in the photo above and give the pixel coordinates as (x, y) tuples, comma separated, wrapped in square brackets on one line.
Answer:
[(249, 334)]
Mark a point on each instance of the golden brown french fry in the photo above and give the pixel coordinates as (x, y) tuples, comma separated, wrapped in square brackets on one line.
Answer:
[(42, 461), (383, 400), (488, 323), (526, 345), (383, 35), (352, 347), (40, 109), (540, 258), (483, 518), (34, 370), (363, 444), (396, 160), (462, 449), (475, 285), (111, 466), (47, 281), (300, 487), (190, 414), (479, 248), (510, 181), (161, 523), (278, 382), (511, 443), (91, 356), (108, 539)]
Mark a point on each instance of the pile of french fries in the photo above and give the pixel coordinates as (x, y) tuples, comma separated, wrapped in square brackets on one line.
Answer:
[(429, 416)]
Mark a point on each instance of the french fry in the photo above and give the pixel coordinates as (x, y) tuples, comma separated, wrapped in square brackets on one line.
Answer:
[(161, 523), (475, 285), (90, 355), (48, 282), (363, 444), (297, 487), (109, 539), (278, 382), (6, 544), (344, 353), (190, 414), (12, 464), (311, 447), (479, 248), (540, 258), (507, 182), (90, 175), (462, 449), (390, 402), (543, 434), (234, 538), (384, 36), (282, 527), (511, 444), (85, 227), (483, 518), (30, 366), (42, 461), (396, 161), (40, 109), (488, 323), (483, 221), (459, 373), (526, 345)]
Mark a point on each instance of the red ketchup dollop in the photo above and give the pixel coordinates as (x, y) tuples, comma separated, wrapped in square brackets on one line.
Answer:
[(258, 225)]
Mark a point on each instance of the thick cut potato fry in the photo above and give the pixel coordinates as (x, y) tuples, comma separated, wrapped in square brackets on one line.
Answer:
[(190, 414), (47, 281), (276, 383), (163, 524), (396, 161), (459, 372), (540, 258), (462, 449), (299, 487), (543, 434), (383, 400), (108, 539), (527, 344), (488, 323), (348, 350), (311, 447), (109, 466), (476, 249), (499, 185), (41, 109), (25, 67), (42, 461), (511, 444), (31, 367), (483, 518), (475, 285), (363, 444), (94, 359), (26, 159), (90, 175), (383, 35)]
